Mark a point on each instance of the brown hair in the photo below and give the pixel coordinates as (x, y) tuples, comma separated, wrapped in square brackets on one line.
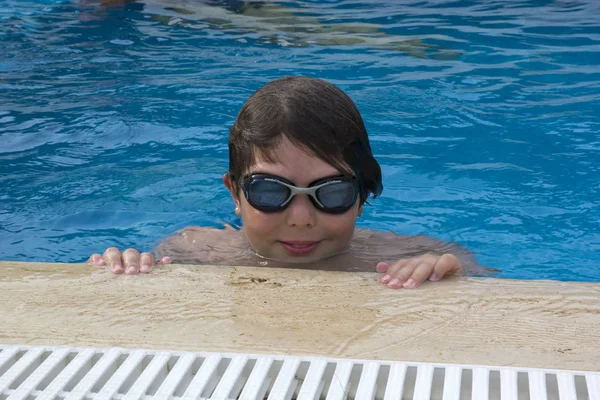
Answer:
[(314, 115)]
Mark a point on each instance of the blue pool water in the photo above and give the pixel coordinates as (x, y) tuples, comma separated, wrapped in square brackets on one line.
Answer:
[(113, 119)]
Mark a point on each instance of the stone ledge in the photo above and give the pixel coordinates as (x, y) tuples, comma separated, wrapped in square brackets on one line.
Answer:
[(540, 324)]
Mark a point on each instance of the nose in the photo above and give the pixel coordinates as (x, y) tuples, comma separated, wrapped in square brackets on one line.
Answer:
[(301, 212)]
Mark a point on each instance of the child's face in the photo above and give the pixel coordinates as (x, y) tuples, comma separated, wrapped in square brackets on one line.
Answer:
[(299, 233)]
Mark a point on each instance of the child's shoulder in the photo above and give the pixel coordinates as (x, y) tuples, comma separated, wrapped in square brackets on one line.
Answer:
[(202, 236), (201, 245), (194, 230)]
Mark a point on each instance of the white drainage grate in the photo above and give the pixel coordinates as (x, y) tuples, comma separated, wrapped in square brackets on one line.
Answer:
[(85, 373)]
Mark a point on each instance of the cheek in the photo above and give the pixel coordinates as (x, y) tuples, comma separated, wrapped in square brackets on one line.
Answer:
[(341, 226), (257, 224)]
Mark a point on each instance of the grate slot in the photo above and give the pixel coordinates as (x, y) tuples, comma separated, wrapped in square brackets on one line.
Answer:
[(17, 373), (523, 386), (230, 379), (201, 379), (494, 385), (452, 383), (382, 381), (593, 385), (423, 382), (508, 385), (285, 383), (552, 387), (313, 384), (566, 386), (48, 367), (95, 374), (409, 383), (67, 374), (395, 386), (437, 383), (258, 382), (178, 373), (537, 385), (354, 380), (580, 387), (146, 377)]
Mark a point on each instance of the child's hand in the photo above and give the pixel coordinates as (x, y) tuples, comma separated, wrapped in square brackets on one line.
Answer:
[(130, 261), (411, 272)]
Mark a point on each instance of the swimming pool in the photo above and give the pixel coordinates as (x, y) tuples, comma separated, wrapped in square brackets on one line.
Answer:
[(485, 116)]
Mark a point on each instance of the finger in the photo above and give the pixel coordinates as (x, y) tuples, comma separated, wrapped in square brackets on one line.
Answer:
[(96, 259), (382, 267), (146, 262), (447, 264), (112, 256), (165, 260), (391, 270), (400, 272), (422, 271), (131, 259)]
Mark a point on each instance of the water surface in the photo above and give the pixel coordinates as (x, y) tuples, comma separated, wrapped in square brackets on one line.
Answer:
[(484, 115)]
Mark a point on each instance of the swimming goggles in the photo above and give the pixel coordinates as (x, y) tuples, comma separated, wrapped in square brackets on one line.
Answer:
[(268, 193)]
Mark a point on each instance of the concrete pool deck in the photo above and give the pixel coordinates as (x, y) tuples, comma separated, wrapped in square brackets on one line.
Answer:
[(539, 324)]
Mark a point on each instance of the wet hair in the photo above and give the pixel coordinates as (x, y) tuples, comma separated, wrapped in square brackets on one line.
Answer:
[(314, 115)]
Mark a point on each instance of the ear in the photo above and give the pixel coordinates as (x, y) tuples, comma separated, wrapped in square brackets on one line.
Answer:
[(360, 211), (233, 189)]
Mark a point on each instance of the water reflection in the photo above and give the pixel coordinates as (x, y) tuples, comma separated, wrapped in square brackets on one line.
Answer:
[(200, 245), (285, 24)]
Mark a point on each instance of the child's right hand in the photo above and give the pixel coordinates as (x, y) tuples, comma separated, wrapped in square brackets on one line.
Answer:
[(130, 261)]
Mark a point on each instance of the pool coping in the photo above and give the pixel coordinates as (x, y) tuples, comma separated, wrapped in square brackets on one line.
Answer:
[(476, 321)]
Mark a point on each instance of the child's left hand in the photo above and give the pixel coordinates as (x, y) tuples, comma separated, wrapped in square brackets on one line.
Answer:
[(409, 273)]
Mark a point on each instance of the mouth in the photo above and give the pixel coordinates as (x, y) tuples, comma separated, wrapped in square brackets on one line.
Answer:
[(299, 247)]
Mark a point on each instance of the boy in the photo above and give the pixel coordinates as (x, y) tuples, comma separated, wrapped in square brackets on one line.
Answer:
[(300, 172)]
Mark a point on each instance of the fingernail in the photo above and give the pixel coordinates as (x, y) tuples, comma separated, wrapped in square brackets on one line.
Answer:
[(386, 279), (394, 282), (410, 283), (100, 261), (117, 268), (166, 260), (130, 271), (145, 268), (433, 277)]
